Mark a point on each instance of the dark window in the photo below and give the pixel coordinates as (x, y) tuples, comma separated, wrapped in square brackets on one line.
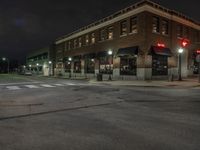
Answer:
[(106, 65), (128, 66), (159, 65), (156, 25), (102, 35), (179, 31), (186, 32), (77, 66), (165, 27), (89, 65), (123, 28), (133, 25)]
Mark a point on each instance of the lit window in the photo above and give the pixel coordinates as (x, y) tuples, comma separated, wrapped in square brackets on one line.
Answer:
[(110, 33), (80, 42), (156, 23), (93, 38), (123, 28), (165, 27), (86, 39), (133, 25)]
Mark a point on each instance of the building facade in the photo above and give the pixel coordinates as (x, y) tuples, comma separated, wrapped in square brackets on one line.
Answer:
[(40, 62), (139, 42)]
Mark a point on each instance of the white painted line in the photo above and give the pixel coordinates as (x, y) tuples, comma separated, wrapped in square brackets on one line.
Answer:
[(32, 86), (59, 84), (47, 85), (70, 84), (13, 87)]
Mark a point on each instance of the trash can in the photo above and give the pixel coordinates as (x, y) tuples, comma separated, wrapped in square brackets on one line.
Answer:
[(99, 77)]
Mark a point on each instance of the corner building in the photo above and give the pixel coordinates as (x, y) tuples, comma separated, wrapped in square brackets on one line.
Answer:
[(139, 42)]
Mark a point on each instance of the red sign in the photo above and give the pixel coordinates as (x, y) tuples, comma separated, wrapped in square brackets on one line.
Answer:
[(198, 51), (161, 45)]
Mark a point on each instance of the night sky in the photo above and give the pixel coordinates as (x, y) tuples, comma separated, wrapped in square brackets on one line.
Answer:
[(27, 25)]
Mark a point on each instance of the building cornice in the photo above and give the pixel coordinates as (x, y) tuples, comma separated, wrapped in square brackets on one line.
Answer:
[(144, 6)]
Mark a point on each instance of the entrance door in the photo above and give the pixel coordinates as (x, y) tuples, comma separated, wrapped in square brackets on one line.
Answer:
[(159, 65)]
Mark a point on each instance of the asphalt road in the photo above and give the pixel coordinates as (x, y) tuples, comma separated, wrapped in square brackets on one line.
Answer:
[(55, 114)]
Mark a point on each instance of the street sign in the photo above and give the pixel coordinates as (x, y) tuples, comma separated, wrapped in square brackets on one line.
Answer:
[(198, 58)]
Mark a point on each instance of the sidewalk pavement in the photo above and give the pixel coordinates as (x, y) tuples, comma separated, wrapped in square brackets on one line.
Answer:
[(186, 83)]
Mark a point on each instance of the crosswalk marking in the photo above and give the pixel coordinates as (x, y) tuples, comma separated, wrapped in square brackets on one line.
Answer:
[(13, 87), (47, 85), (59, 85), (32, 86)]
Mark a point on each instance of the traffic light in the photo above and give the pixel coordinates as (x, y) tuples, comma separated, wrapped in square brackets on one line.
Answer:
[(184, 43)]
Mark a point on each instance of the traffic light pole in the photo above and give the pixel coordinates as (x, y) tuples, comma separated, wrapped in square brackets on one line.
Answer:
[(199, 72), (179, 68)]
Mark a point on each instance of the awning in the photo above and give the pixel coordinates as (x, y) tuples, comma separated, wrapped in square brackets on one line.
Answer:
[(102, 54), (161, 51), (77, 58), (89, 56), (128, 51)]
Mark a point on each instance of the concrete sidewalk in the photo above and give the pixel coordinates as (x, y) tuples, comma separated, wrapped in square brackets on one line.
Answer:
[(186, 83)]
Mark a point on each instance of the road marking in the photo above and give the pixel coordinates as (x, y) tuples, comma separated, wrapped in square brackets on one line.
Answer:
[(70, 84), (47, 85), (59, 85), (13, 87), (32, 86)]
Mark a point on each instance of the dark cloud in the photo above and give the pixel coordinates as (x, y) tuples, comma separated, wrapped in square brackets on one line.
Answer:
[(26, 25)]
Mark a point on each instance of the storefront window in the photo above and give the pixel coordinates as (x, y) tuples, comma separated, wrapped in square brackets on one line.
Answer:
[(67, 66), (106, 65), (89, 65), (128, 66), (77, 66), (159, 65)]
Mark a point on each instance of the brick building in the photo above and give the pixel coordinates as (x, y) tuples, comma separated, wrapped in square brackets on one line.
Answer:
[(139, 42)]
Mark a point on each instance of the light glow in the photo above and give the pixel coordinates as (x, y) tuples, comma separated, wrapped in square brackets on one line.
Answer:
[(110, 52), (161, 45), (180, 50)]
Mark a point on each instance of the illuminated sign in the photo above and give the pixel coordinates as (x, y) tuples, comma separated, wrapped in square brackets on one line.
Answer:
[(184, 42), (161, 45)]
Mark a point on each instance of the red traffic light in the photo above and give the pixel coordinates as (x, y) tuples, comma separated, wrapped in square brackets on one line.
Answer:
[(184, 42)]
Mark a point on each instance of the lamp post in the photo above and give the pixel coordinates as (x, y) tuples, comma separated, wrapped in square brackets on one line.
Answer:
[(50, 63), (69, 63), (180, 51), (8, 63), (37, 68), (110, 53)]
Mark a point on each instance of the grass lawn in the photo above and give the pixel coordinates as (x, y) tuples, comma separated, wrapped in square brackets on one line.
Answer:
[(13, 78)]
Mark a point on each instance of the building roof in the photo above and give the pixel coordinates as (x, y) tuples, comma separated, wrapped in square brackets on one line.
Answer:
[(150, 6)]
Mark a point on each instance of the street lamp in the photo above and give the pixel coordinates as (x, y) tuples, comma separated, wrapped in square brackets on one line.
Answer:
[(37, 68), (110, 53), (69, 63), (50, 62), (180, 51), (8, 63)]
